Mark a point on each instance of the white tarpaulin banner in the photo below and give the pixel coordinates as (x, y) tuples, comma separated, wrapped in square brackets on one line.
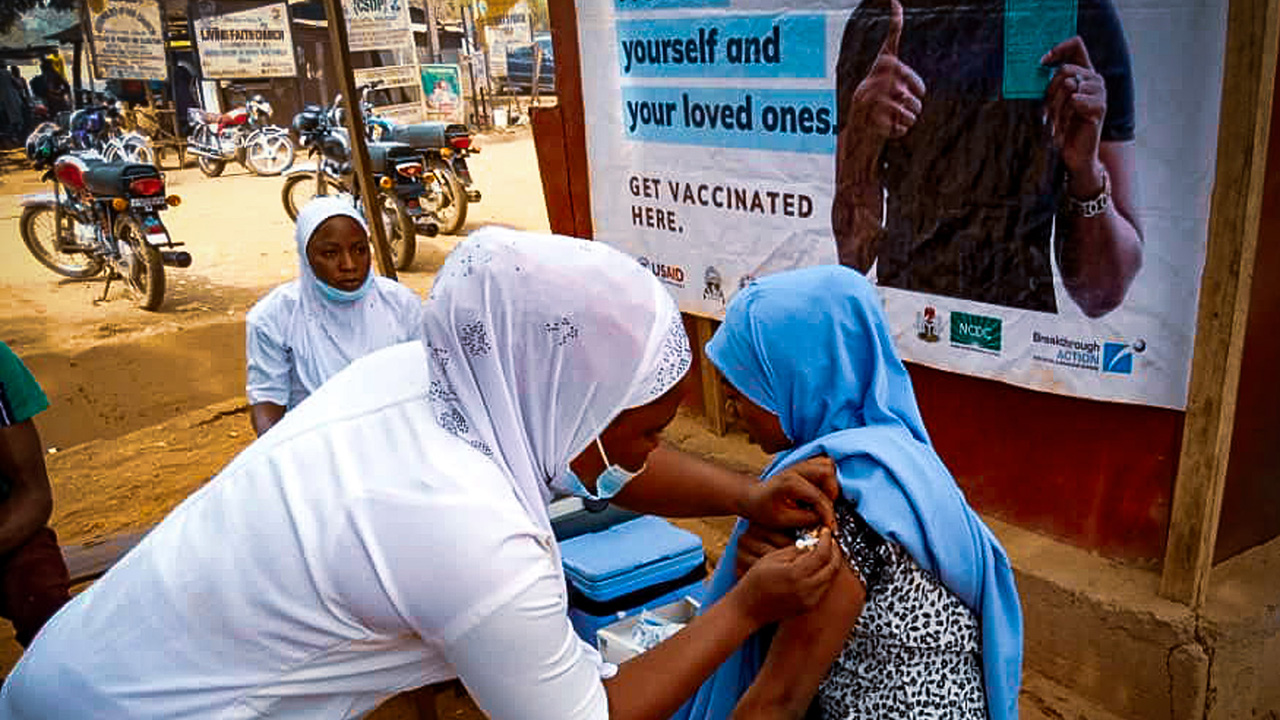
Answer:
[(1027, 181), (252, 43), (396, 76), (127, 39), (377, 24), (506, 27)]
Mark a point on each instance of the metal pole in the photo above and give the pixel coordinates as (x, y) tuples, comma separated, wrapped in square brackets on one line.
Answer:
[(355, 124)]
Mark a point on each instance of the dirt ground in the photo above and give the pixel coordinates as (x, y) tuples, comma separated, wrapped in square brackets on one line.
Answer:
[(147, 406)]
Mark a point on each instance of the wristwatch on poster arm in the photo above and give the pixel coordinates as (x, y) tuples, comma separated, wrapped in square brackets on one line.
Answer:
[(1094, 206)]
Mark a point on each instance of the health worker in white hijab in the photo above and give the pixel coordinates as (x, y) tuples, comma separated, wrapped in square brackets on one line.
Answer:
[(337, 310), (392, 531)]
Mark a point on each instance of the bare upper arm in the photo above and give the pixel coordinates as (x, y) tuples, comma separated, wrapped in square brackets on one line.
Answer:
[(264, 415), (22, 457), (803, 649), (1120, 159)]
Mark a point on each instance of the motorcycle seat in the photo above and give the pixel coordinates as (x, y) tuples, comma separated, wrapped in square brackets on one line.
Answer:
[(384, 154), (111, 179), (423, 136), (210, 118), (236, 117)]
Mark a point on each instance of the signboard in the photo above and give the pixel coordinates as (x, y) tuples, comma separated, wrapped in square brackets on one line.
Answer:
[(1033, 207), (252, 43), (443, 87), (505, 26), (127, 40), (377, 24), (396, 76)]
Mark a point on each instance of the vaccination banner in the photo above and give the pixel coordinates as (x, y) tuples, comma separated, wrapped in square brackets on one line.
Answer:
[(127, 40), (1026, 181), (253, 43)]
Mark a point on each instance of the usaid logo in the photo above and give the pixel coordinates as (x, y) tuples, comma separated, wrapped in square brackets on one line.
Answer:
[(669, 274)]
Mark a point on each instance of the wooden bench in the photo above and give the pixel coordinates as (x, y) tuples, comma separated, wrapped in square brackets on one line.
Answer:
[(90, 561)]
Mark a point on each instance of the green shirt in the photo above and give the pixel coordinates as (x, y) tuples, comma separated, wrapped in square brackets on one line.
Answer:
[(20, 395)]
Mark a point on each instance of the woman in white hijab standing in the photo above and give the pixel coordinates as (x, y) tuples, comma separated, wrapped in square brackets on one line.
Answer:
[(393, 531), (337, 310)]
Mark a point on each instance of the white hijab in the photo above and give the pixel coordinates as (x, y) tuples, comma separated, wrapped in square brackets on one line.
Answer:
[(331, 334), (537, 342)]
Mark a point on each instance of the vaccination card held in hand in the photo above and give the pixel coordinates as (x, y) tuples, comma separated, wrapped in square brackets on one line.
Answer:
[(1031, 29)]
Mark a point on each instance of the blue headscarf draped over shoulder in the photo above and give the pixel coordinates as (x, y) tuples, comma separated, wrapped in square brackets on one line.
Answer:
[(812, 347)]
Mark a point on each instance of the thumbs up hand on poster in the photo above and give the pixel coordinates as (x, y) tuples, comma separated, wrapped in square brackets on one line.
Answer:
[(888, 101), (1076, 105)]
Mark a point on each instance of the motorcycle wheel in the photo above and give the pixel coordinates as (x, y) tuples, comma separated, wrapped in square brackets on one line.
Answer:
[(41, 238), (136, 148), (269, 155), (144, 274), (209, 166), (299, 190), (451, 211), (401, 234)]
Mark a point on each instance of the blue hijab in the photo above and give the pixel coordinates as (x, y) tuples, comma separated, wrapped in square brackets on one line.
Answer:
[(812, 347)]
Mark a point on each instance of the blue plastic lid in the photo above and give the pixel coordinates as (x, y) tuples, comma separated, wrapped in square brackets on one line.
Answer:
[(624, 548)]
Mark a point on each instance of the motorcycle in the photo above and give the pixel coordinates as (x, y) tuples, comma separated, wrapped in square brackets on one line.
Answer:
[(97, 127), (444, 148), (244, 135), (396, 167), (102, 217)]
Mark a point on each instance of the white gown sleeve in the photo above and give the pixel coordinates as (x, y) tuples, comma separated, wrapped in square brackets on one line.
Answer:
[(268, 364), (471, 574), (524, 662)]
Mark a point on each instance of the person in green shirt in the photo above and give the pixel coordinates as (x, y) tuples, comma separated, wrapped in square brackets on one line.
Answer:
[(34, 582)]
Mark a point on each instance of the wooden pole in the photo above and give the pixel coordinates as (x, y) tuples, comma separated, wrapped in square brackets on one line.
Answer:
[(537, 74), (1244, 126), (712, 391), (337, 21), (77, 85), (564, 39), (433, 34)]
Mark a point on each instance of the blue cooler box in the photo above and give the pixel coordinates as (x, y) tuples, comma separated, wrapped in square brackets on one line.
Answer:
[(636, 565)]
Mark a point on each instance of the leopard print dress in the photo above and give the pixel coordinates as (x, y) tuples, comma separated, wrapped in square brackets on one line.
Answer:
[(916, 651)]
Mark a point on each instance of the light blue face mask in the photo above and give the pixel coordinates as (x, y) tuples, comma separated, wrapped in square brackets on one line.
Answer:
[(610, 482), (345, 296)]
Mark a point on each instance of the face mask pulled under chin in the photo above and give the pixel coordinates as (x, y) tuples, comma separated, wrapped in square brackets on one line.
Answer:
[(610, 482), (346, 296)]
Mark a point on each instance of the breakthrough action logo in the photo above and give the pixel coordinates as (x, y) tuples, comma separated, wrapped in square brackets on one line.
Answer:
[(1110, 357)]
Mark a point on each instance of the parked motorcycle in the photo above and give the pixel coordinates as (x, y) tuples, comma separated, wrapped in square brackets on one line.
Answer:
[(396, 167), (98, 127), (444, 148), (102, 217), (243, 135)]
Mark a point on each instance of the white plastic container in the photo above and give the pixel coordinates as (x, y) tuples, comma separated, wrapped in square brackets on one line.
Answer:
[(615, 640), (500, 117)]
